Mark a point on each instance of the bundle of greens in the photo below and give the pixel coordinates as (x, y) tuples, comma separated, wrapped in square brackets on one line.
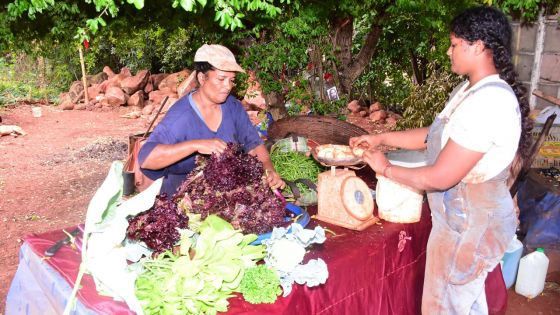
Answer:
[(232, 186), (260, 285), (208, 269), (292, 165)]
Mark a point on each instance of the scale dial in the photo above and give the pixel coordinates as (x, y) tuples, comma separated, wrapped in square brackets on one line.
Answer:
[(356, 198)]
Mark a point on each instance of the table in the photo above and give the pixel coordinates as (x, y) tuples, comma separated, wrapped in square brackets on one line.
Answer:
[(377, 271)]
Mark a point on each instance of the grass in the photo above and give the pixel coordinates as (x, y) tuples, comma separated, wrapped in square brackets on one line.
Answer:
[(16, 86), (12, 91)]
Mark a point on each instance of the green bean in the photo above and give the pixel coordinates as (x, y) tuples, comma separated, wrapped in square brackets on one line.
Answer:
[(294, 165)]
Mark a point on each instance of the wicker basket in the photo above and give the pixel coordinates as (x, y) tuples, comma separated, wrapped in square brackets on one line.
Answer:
[(321, 129)]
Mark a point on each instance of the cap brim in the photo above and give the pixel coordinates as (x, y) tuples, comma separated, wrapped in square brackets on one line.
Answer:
[(229, 67)]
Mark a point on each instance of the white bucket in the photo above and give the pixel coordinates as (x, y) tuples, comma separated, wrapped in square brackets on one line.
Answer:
[(532, 274), (396, 202), (36, 111)]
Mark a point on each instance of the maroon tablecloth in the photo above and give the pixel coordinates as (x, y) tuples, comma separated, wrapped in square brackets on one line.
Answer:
[(376, 271)]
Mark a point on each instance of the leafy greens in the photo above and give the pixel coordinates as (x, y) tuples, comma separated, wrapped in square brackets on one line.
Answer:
[(208, 269)]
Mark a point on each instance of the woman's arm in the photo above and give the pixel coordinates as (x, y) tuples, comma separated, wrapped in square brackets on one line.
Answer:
[(273, 179), (452, 165), (164, 155), (412, 139)]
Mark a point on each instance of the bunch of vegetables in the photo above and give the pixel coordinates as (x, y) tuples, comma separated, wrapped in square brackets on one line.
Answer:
[(292, 165), (285, 252), (158, 226), (260, 285), (203, 276), (232, 186)]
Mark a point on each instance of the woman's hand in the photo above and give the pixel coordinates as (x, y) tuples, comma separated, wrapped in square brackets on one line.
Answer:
[(274, 180), (209, 146), (376, 160), (365, 141)]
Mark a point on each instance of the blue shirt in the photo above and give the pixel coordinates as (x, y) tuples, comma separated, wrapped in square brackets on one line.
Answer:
[(183, 122)]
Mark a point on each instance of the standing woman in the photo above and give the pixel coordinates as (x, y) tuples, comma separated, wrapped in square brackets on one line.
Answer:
[(470, 145)]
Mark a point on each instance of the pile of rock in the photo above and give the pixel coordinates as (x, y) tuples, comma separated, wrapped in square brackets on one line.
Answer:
[(373, 118), (142, 93), (374, 113)]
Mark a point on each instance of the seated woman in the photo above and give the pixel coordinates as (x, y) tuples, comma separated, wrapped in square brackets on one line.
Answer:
[(202, 122)]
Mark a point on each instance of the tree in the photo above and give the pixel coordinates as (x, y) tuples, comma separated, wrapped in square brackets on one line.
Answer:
[(347, 35), (228, 14), (407, 29), (372, 40)]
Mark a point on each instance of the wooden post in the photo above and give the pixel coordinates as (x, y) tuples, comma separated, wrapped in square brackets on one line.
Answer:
[(536, 70), (41, 64), (42, 75), (84, 79), (552, 99), (321, 74)]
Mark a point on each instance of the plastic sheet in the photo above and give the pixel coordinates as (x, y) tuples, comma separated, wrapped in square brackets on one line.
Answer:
[(539, 204), (38, 289), (42, 285)]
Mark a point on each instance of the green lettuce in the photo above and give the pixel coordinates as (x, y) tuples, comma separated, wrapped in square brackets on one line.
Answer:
[(260, 284)]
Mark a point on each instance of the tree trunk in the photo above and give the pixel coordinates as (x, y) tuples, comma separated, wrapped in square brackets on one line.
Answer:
[(419, 69), (351, 67), (342, 46)]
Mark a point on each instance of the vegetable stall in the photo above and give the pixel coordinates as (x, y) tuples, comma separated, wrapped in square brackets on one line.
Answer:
[(225, 243)]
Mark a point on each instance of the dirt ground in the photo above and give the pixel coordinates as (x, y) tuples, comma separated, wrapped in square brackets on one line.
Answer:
[(48, 176)]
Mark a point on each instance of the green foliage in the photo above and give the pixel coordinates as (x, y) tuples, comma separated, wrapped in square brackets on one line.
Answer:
[(526, 10), (181, 46), (47, 33), (426, 101), (415, 31), (18, 7), (385, 82), (19, 81), (277, 38), (331, 108), (228, 13), (12, 92), (55, 25), (156, 47), (118, 46), (286, 57), (63, 66), (138, 4), (260, 284)]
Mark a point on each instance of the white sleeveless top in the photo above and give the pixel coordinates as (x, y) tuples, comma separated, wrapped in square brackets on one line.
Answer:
[(485, 118)]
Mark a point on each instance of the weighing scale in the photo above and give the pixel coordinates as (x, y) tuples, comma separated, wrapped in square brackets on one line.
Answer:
[(343, 198)]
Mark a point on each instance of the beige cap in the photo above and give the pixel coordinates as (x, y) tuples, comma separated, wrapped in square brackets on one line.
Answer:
[(219, 57)]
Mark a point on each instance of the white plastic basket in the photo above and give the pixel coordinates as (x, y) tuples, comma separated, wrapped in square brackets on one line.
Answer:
[(396, 202)]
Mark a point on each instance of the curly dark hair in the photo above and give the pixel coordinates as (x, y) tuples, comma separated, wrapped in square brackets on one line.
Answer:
[(492, 27), (203, 66)]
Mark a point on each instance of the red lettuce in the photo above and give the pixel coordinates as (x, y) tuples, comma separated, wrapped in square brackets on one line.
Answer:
[(233, 187), (157, 227)]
